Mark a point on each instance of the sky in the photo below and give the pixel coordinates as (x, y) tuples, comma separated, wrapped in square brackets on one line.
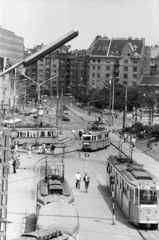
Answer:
[(44, 21)]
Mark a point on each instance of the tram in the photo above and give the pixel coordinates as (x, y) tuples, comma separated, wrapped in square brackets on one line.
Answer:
[(53, 186), (136, 190), (34, 135), (57, 220), (95, 137)]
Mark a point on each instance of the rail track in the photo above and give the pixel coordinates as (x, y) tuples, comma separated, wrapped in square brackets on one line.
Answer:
[(146, 234)]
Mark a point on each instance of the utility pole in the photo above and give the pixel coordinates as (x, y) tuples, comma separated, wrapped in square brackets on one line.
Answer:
[(57, 108), (4, 185)]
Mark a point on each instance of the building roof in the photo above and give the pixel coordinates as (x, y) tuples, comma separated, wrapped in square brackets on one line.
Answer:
[(100, 48), (113, 47), (149, 81)]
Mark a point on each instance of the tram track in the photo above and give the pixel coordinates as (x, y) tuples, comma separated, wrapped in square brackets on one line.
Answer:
[(146, 234)]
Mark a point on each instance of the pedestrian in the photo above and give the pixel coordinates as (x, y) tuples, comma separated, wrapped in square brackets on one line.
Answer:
[(40, 149), (80, 134), (133, 140), (77, 180), (86, 180), (125, 137), (14, 166), (18, 161), (52, 148), (16, 147), (43, 147), (29, 151)]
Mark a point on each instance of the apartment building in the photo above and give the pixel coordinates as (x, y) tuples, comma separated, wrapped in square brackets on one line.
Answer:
[(67, 64), (128, 54), (11, 52)]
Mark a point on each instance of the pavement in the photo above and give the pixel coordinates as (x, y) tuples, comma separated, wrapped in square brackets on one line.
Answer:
[(94, 207)]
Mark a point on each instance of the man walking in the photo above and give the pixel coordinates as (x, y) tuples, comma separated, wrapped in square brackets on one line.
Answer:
[(77, 180), (14, 166), (86, 180)]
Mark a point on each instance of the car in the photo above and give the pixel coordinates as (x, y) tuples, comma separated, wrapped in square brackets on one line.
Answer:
[(33, 111), (27, 113), (65, 118)]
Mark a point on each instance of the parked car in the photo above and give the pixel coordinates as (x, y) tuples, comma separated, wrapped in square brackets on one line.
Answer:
[(33, 111), (27, 113), (65, 118)]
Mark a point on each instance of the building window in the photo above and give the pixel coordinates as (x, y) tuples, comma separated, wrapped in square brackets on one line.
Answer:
[(134, 83), (125, 69), (107, 68), (125, 61), (98, 60), (107, 75), (98, 75), (94, 60), (98, 67), (54, 66), (93, 82), (126, 76), (135, 61), (93, 75), (134, 69), (93, 67), (135, 76)]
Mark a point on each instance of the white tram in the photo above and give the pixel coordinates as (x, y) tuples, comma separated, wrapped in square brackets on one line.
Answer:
[(96, 137), (135, 189), (35, 135)]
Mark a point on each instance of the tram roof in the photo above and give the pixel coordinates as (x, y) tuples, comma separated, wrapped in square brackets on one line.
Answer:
[(35, 128), (135, 173), (58, 215)]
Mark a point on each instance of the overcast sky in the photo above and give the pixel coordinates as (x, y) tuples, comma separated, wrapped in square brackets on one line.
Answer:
[(44, 21)]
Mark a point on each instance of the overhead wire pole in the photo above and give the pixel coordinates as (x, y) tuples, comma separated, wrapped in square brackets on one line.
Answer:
[(4, 177)]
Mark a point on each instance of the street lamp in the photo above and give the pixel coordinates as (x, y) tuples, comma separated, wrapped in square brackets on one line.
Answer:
[(125, 105), (112, 79), (110, 97), (39, 84)]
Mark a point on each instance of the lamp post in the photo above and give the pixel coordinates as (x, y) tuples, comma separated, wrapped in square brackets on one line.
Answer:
[(110, 98), (112, 79), (39, 85), (125, 105)]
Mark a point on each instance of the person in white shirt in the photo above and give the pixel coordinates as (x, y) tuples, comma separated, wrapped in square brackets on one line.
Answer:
[(77, 180), (133, 140)]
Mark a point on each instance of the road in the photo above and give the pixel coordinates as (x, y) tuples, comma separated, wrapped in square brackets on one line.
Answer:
[(94, 207)]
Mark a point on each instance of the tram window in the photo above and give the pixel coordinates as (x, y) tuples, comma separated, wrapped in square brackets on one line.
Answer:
[(49, 134), (99, 137), (86, 138), (136, 196), (42, 134), (34, 134), (30, 134), (148, 197), (27, 134), (21, 134), (131, 194)]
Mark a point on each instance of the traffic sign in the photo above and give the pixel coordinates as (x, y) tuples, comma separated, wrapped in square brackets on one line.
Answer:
[(86, 155)]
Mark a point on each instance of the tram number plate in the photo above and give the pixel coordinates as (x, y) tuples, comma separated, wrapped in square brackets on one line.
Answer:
[(86, 155)]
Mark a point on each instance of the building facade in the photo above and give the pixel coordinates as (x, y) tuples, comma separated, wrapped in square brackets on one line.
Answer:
[(69, 65), (11, 52), (105, 52)]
